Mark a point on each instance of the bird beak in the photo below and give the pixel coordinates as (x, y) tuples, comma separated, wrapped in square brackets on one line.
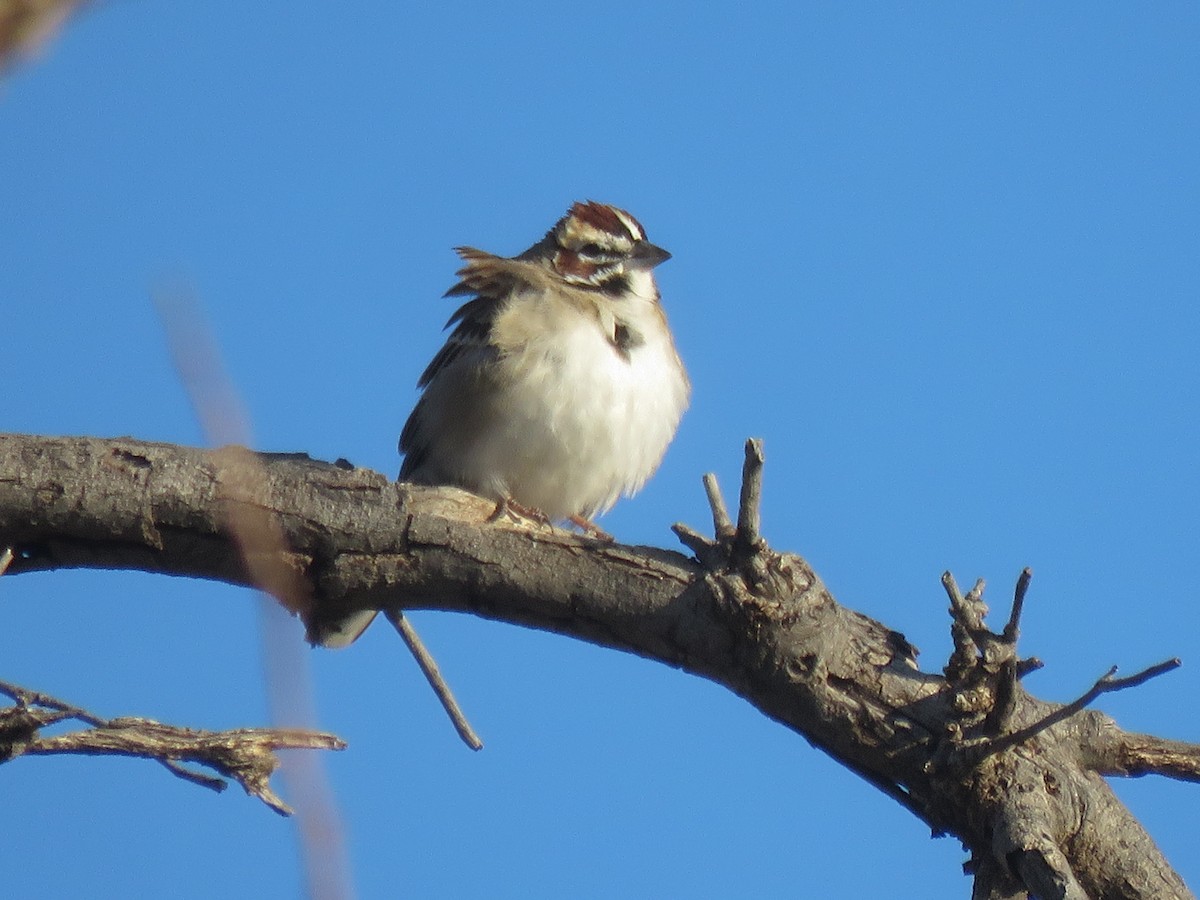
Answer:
[(647, 255)]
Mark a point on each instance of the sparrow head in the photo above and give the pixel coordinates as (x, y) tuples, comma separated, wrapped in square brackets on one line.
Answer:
[(598, 246)]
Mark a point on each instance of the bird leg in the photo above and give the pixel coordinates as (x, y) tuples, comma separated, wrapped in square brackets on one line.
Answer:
[(508, 508), (591, 529)]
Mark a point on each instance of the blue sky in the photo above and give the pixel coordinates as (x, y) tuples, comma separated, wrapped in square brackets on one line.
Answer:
[(942, 257)]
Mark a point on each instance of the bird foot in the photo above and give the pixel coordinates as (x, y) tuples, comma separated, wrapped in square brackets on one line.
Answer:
[(510, 509), (591, 529)]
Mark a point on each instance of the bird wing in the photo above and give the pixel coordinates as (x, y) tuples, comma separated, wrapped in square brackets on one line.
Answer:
[(487, 280)]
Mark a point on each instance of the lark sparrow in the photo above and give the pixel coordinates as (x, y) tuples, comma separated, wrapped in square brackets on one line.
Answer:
[(560, 387)]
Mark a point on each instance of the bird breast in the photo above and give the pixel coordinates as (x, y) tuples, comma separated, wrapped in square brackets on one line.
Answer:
[(588, 399)]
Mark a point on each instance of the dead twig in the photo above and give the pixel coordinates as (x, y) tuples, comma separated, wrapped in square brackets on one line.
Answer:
[(274, 569), (1105, 684), (722, 524), (1012, 630), (433, 675), (749, 524), (245, 755)]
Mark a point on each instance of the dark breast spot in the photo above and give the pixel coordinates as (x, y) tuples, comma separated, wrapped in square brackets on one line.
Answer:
[(624, 339)]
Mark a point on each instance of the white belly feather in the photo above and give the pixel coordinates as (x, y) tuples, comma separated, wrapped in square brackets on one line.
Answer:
[(572, 423)]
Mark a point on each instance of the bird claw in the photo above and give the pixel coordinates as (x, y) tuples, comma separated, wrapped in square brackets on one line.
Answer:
[(510, 509), (591, 529), (507, 508)]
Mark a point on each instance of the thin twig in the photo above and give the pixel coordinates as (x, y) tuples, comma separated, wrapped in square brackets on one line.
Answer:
[(434, 676), (693, 540), (750, 503), (975, 595), (968, 611), (26, 697), (246, 755), (965, 649), (722, 524), (952, 591), (999, 719), (1029, 664), (1012, 629), (1105, 684)]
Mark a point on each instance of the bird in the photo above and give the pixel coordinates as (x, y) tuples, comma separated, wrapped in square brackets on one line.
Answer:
[(559, 387)]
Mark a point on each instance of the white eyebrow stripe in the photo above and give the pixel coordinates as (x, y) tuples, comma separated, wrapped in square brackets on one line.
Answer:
[(634, 228)]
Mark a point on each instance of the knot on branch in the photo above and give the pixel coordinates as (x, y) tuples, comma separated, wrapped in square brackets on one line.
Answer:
[(1025, 839), (983, 670), (983, 673), (742, 567)]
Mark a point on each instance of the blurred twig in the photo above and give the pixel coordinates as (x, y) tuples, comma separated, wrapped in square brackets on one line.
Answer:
[(26, 25), (274, 570)]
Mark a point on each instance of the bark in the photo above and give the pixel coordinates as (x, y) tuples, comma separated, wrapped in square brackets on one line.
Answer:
[(1017, 780), (246, 755)]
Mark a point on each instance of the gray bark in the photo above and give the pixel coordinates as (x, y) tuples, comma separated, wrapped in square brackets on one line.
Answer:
[(1035, 812)]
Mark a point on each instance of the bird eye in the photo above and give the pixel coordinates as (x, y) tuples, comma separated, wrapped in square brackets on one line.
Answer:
[(591, 250)]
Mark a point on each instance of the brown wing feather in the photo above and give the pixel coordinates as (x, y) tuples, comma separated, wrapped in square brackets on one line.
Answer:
[(487, 280)]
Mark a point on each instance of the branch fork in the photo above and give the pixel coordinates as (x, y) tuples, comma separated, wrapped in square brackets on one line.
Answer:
[(982, 675), (984, 669), (738, 548), (246, 755)]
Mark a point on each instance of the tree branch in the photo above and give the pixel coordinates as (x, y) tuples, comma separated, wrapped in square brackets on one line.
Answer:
[(246, 755), (1104, 684), (759, 622)]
